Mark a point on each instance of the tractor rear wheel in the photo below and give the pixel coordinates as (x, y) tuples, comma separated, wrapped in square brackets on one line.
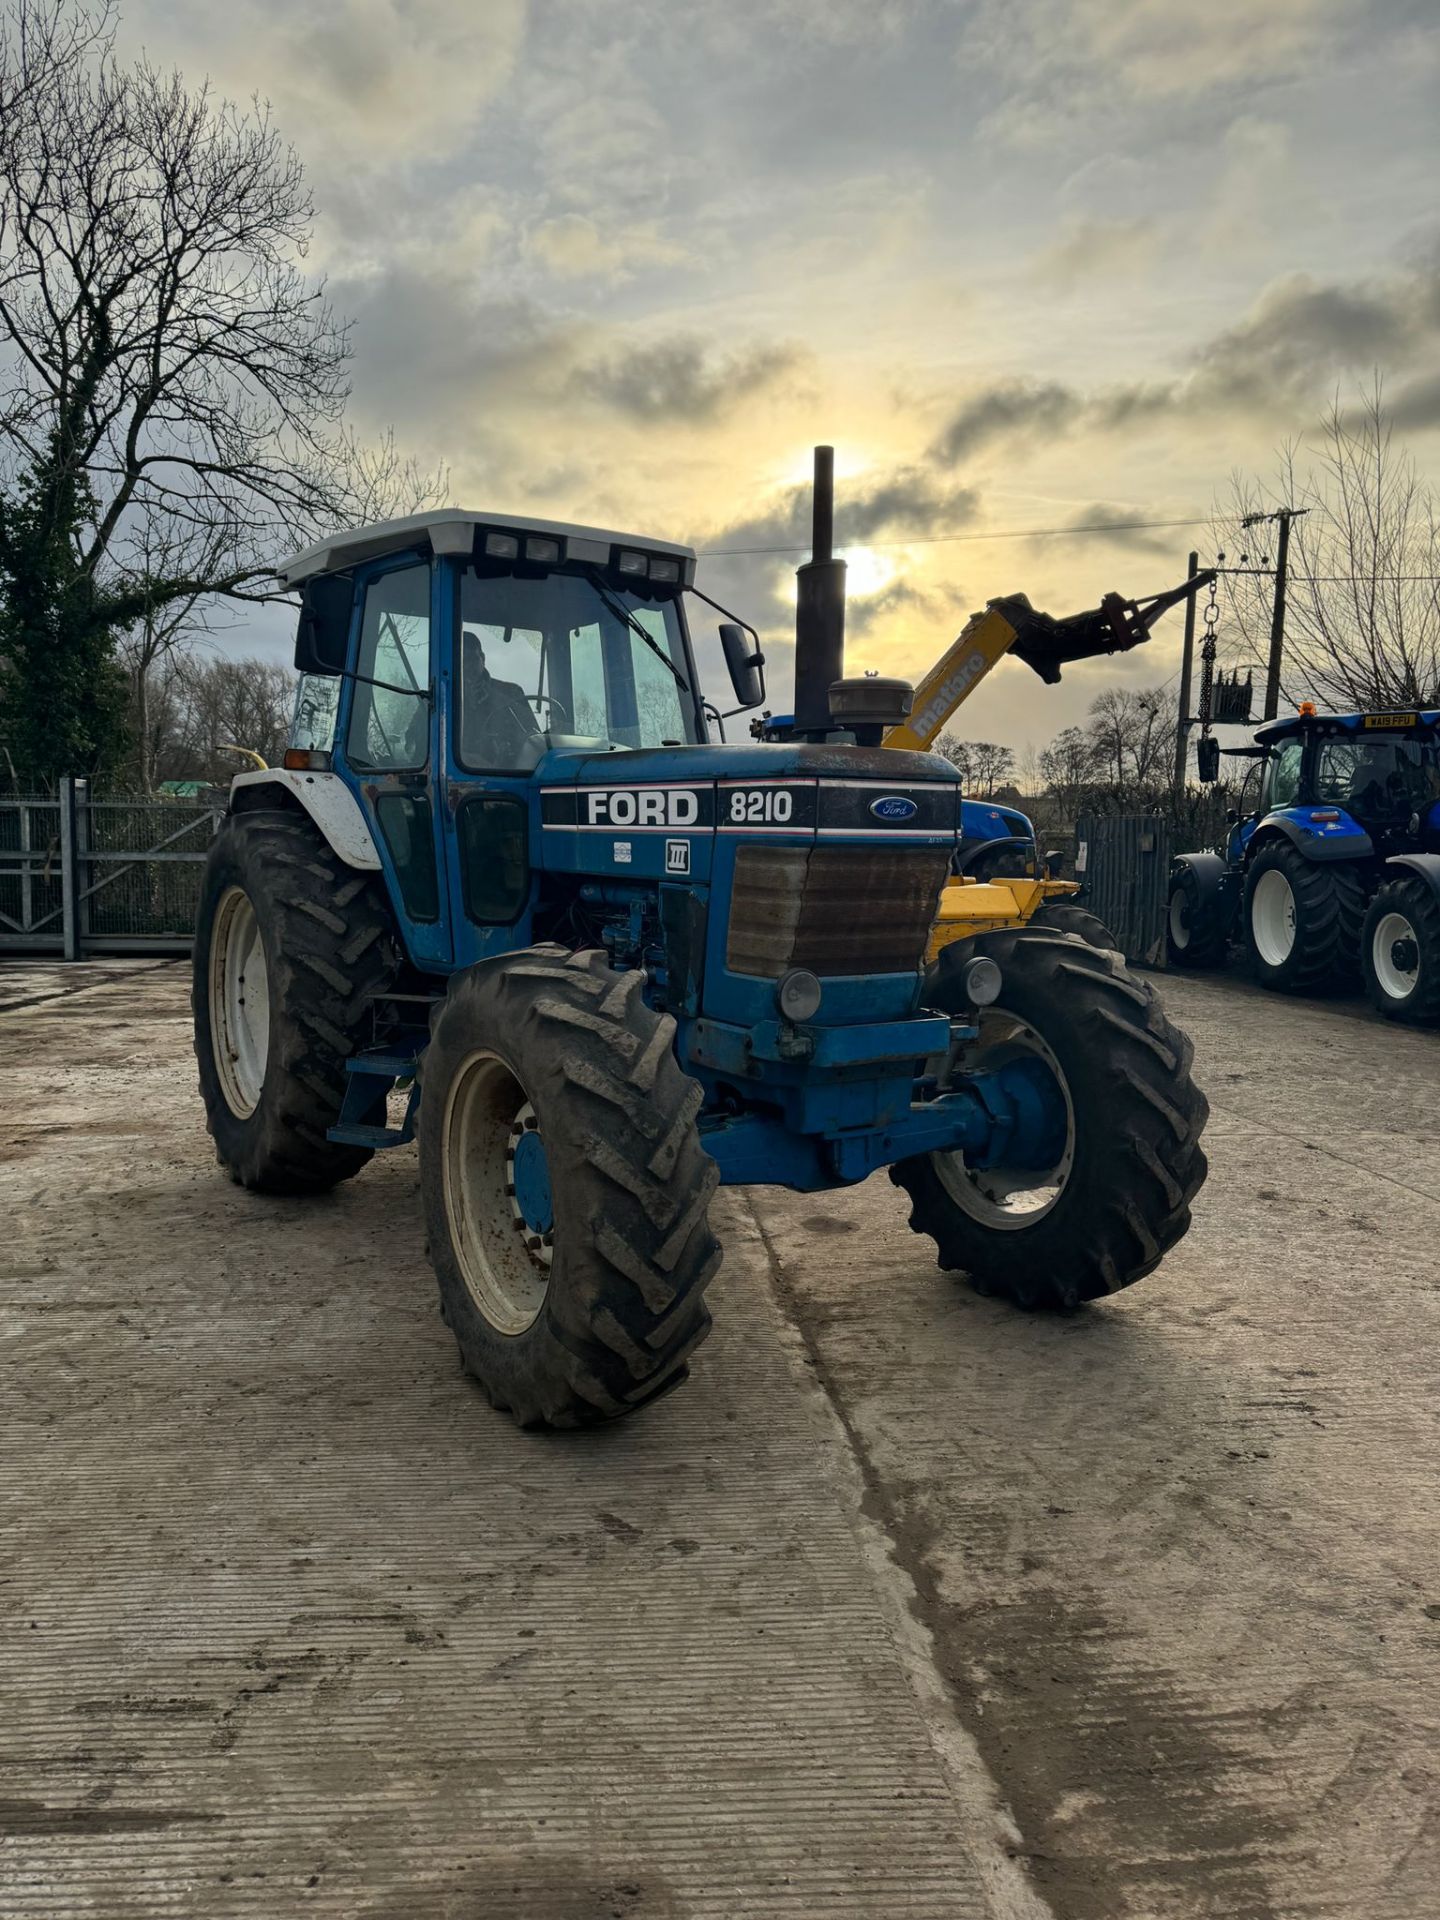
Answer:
[(1303, 919), (1400, 952), (1066, 916), (565, 1188), (1119, 1195), (1197, 931), (292, 947)]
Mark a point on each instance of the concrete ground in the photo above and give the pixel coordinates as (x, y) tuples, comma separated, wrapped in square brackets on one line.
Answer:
[(903, 1605)]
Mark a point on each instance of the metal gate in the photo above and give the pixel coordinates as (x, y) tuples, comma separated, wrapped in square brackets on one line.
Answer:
[(81, 876), (1124, 862)]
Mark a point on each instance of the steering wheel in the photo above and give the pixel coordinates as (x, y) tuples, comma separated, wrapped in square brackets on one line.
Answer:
[(556, 706)]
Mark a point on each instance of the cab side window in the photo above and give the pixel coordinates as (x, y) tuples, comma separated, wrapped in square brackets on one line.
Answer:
[(390, 723), (1282, 782), (317, 704)]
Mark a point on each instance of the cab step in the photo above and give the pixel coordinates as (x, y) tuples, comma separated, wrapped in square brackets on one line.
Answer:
[(372, 1077)]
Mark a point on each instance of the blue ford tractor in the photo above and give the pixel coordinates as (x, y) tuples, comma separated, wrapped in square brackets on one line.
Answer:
[(507, 895), (1331, 868)]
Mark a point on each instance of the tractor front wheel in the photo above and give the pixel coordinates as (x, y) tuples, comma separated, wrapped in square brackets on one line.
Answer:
[(1129, 1162), (565, 1188), (1400, 952), (1197, 930)]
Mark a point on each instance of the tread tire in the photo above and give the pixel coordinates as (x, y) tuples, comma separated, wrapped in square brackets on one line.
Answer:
[(1330, 903), (330, 950), (631, 1184), (1417, 900), (1067, 916), (1137, 1163), (1209, 940)]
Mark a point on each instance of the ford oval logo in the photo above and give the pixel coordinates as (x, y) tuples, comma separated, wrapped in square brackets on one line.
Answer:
[(894, 806)]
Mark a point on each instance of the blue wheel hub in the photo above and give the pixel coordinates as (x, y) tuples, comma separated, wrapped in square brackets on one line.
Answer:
[(530, 1180)]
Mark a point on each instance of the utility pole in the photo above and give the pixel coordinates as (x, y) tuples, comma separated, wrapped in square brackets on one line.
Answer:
[(1187, 661), (1283, 516)]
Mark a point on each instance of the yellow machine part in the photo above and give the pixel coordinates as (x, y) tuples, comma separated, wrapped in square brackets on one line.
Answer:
[(968, 907), (984, 640)]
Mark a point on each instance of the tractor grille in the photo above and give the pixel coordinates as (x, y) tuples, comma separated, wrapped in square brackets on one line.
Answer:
[(833, 909)]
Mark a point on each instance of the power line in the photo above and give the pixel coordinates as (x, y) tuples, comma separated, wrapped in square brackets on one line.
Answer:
[(948, 539), (1051, 533)]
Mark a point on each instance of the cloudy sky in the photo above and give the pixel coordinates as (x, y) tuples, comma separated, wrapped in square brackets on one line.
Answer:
[(1028, 264)]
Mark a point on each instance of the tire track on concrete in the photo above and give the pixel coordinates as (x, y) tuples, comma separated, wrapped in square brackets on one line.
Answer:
[(908, 1593)]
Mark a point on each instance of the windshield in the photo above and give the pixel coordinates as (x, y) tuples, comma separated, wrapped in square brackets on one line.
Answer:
[(1378, 778), (566, 661)]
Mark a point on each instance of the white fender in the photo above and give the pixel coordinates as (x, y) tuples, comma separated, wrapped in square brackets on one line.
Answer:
[(330, 804)]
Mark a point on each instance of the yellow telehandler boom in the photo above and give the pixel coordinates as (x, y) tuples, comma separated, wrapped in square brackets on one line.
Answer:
[(969, 907), (1012, 625)]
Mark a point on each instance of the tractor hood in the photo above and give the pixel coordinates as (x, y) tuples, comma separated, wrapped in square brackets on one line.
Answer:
[(657, 813), (747, 760)]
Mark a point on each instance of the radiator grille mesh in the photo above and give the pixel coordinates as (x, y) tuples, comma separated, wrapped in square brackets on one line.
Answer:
[(835, 910)]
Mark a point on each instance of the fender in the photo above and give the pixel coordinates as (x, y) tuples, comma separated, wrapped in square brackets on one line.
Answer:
[(1217, 882), (327, 800), (971, 850), (1328, 840), (1426, 865)]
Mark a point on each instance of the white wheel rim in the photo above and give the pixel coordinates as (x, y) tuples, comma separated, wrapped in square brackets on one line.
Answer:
[(1179, 919), (1008, 1199), (239, 1003), (1272, 918), (506, 1268), (1396, 982)]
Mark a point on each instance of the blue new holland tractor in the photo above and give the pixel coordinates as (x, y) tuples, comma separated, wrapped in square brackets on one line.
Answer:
[(508, 895), (1331, 869)]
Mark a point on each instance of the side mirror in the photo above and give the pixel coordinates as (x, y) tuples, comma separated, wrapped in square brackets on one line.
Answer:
[(322, 639), (746, 663), (1207, 758)]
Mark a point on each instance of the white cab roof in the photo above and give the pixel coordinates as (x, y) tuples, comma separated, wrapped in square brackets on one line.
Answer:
[(452, 530)]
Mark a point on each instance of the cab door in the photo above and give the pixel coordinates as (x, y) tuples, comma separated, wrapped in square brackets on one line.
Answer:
[(491, 801), (391, 741), (1281, 781)]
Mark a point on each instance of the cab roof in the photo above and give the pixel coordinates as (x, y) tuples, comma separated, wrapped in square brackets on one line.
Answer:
[(1410, 720), (456, 530)]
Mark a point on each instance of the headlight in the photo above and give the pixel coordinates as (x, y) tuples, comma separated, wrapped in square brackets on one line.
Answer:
[(983, 981), (797, 994)]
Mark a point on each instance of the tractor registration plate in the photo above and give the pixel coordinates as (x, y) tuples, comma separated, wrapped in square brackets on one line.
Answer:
[(1387, 721)]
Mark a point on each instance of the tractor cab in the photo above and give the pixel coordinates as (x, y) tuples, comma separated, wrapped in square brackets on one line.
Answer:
[(514, 710), (1337, 777)]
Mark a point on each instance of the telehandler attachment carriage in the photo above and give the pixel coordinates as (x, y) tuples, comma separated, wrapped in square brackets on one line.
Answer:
[(616, 964)]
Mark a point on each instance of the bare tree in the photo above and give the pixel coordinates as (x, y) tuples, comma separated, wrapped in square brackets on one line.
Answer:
[(1068, 767), (165, 632), (201, 708), (981, 764), (164, 359), (1362, 624), (1132, 737)]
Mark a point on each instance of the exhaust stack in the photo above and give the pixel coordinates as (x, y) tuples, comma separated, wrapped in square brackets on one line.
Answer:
[(826, 703), (819, 611)]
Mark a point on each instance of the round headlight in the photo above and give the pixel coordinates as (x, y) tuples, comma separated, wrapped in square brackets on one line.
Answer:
[(797, 994), (983, 981)]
